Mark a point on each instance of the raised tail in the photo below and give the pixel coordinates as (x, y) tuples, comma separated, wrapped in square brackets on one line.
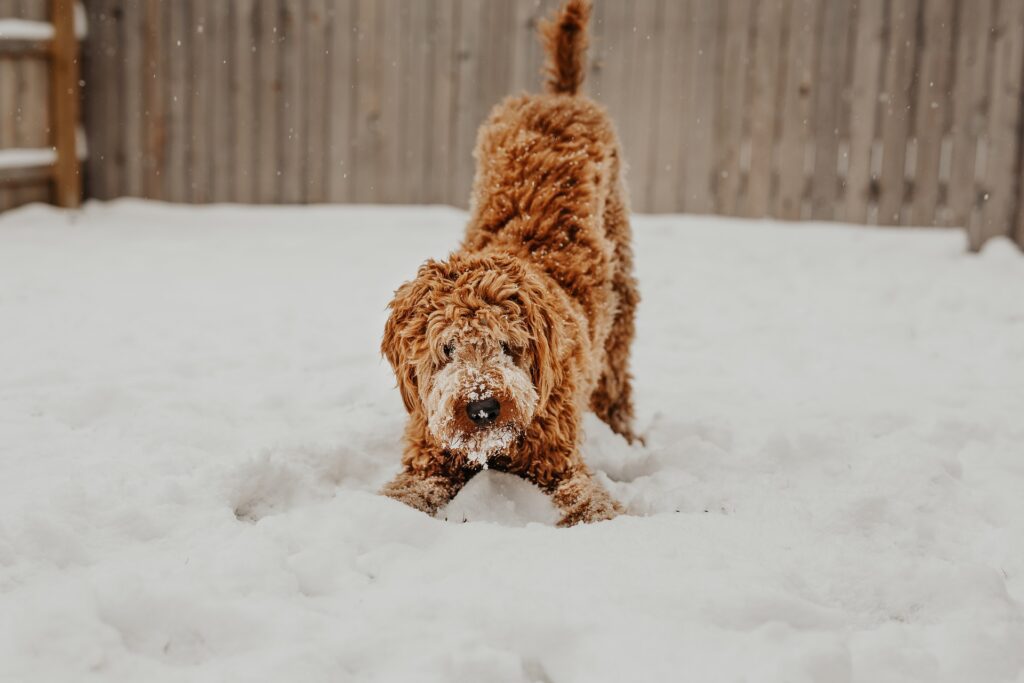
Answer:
[(565, 41)]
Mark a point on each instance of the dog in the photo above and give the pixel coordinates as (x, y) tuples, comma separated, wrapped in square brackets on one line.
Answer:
[(499, 349)]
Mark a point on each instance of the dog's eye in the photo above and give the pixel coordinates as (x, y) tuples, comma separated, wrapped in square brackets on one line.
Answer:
[(449, 349), (510, 352)]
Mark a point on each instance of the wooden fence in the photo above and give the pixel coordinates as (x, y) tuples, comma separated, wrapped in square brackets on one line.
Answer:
[(868, 111), (39, 98)]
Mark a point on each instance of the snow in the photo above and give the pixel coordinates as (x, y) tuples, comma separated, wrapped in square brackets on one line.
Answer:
[(27, 157), (27, 29), (194, 420)]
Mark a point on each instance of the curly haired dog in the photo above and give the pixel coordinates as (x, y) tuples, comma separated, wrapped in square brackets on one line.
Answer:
[(499, 349)]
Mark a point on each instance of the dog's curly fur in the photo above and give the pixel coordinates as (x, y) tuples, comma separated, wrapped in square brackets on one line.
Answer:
[(535, 310)]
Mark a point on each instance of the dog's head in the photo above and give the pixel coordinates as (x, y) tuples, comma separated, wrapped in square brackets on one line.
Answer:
[(476, 346)]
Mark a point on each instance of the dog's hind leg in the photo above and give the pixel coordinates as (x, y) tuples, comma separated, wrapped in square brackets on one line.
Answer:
[(612, 400)]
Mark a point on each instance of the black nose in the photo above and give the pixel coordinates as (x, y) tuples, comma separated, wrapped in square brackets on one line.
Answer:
[(484, 412)]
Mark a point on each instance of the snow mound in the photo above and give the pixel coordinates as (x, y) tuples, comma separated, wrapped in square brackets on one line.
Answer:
[(194, 420)]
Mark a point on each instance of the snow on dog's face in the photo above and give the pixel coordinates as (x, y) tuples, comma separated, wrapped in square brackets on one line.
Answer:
[(473, 345)]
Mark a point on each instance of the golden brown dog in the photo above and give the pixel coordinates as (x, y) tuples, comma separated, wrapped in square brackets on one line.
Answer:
[(499, 349)]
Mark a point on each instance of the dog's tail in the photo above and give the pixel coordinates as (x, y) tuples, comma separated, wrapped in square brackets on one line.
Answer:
[(565, 41)]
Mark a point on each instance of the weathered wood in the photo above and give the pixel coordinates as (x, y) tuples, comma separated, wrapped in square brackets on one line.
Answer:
[(132, 112), (970, 98), (464, 123), (8, 111), (933, 103), (698, 147), (731, 105), (727, 106), (34, 104), (342, 88), (1000, 183), (367, 134), (292, 103), (416, 105), (869, 47), (387, 183), (268, 38), (244, 103), (64, 105), (896, 109), (200, 139), (177, 134), (648, 29), (672, 112), (154, 77), (316, 100), (439, 124), (21, 47), (763, 106), (795, 134), (26, 175), (829, 82), (220, 120)]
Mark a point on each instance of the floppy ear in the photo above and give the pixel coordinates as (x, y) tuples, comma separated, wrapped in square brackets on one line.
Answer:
[(400, 337), (549, 344)]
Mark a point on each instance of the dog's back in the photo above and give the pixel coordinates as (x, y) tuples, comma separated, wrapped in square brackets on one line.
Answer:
[(548, 186)]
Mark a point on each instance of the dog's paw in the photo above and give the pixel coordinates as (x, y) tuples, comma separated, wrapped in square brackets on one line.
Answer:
[(426, 494), (583, 500)]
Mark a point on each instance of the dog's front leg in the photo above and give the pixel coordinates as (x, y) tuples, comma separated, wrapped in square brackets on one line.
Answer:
[(424, 491), (581, 498)]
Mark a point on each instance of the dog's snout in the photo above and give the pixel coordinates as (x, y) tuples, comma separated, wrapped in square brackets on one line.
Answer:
[(484, 412)]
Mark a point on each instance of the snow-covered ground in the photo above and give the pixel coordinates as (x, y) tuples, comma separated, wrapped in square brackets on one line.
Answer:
[(194, 420)]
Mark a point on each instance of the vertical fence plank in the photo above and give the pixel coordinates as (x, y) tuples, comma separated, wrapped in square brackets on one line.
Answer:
[(389, 160), (8, 105), (220, 121), (107, 166), (443, 64), (767, 19), (291, 104), (64, 101), (243, 102), (831, 68), (673, 112), (974, 20), (419, 132), (796, 109), (896, 109), (638, 129), (731, 105), (131, 114), (1000, 187), (342, 88), (933, 102), (198, 167), (463, 123), (317, 81), (268, 41), (699, 159), (366, 142), (869, 47), (178, 92), (154, 76)]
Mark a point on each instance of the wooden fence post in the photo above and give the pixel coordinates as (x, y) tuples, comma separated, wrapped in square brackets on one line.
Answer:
[(64, 88)]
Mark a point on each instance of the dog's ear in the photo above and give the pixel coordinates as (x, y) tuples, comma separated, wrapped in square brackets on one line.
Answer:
[(549, 344), (404, 333)]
